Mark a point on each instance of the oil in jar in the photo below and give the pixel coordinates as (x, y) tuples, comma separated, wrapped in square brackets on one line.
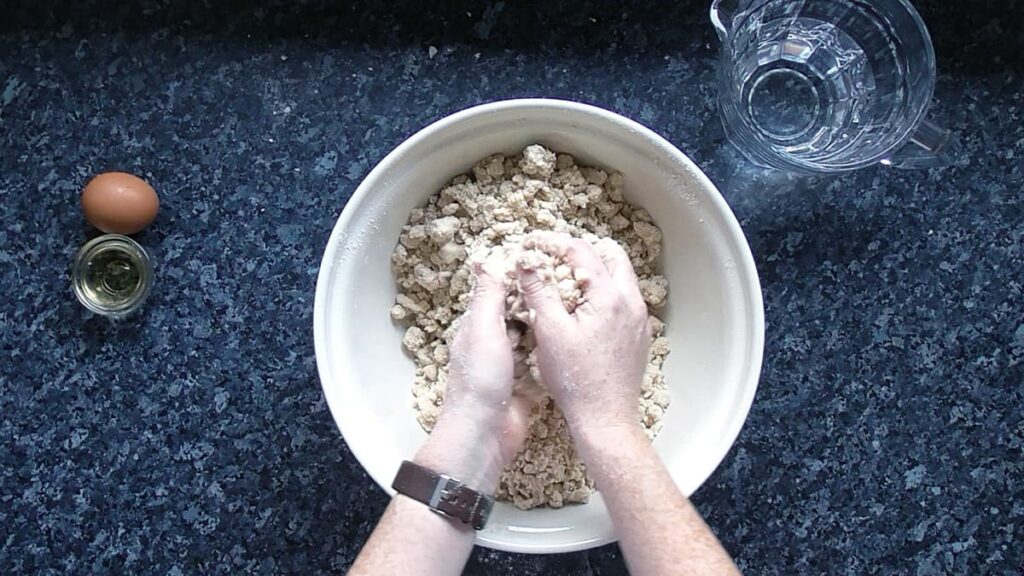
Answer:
[(112, 275)]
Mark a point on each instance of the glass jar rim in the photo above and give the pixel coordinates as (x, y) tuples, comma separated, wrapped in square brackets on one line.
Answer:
[(125, 244)]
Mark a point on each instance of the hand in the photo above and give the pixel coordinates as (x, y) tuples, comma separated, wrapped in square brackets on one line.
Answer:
[(592, 361), (480, 428), (482, 424), (480, 365)]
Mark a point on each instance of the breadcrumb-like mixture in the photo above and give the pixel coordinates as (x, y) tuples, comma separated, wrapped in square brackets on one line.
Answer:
[(492, 212)]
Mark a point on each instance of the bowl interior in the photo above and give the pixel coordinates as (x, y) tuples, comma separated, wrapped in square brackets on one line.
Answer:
[(714, 317)]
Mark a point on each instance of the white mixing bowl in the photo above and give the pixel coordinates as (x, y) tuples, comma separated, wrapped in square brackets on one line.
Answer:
[(715, 316)]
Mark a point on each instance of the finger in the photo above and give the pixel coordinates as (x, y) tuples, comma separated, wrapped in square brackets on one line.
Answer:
[(589, 270), (541, 297), (619, 267), (488, 296)]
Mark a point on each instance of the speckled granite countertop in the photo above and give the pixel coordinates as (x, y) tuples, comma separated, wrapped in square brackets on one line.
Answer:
[(887, 433)]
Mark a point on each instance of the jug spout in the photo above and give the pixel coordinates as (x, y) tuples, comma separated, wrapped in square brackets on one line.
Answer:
[(721, 16)]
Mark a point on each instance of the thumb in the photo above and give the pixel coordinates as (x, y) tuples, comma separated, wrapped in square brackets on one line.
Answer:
[(488, 296), (541, 297), (516, 426)]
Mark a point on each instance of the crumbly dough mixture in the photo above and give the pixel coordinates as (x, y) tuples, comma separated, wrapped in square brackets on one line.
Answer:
[(492, 211)]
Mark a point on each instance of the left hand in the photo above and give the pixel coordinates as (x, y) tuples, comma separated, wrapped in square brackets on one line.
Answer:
[(480, 369), (481, 427)]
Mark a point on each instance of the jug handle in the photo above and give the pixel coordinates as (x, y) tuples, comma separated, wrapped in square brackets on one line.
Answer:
[(929, 146), (721, 17)]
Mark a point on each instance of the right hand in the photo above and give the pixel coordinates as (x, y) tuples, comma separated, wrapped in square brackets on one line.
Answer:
[(591, 361)]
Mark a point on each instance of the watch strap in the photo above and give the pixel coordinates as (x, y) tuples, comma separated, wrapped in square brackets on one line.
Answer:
[(443, 494)]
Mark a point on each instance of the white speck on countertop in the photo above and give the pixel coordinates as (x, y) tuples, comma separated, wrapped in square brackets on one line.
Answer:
[(431, 52)]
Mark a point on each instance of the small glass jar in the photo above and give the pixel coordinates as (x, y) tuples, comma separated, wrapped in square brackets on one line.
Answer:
[(112, 275)]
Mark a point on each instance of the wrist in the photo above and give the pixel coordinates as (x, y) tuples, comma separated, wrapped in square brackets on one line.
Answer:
[(470, 410), (477, 399), (599, 442), (598, 424), (465, 446)]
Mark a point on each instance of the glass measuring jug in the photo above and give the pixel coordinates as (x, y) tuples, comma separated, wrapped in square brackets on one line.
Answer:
[(828, 85)]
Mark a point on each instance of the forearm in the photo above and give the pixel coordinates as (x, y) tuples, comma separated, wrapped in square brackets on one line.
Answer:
[(412, 539), (659, 531)]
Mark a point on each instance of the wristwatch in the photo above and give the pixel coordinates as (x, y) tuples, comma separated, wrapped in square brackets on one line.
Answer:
[(443, 494)]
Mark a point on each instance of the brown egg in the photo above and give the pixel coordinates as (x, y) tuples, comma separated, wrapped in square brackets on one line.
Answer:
[(119, 203)]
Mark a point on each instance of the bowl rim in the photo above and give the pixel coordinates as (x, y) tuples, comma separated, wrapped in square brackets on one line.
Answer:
[(745, 268)]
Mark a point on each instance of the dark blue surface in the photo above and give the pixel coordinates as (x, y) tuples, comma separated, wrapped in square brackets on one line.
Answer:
[(887, 433)]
